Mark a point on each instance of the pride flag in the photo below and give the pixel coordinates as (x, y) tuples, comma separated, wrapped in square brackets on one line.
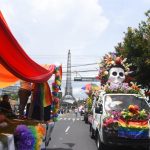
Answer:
[(42, 94), (133, 129)]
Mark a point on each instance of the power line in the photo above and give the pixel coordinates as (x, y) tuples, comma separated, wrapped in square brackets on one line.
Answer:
[(83, 65), (82, 71)]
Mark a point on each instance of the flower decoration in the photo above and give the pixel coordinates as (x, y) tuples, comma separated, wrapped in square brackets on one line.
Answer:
[(111, 60), (108, 121), (129, 123), (134, 86), (133, 113), (29, 137), (24, 138), (56, 87), (122, 88), (133, 109)]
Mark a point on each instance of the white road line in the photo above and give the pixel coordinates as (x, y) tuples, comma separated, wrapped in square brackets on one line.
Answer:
[(71, 119), (67, 129)]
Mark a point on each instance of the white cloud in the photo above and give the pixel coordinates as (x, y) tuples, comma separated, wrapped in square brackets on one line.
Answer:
[(51, 26), (46, 29)]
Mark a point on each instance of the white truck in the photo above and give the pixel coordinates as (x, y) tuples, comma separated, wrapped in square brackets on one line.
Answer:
[(102, 107)]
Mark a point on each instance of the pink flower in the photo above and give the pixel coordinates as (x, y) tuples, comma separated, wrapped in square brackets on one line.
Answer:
[(108, 121)]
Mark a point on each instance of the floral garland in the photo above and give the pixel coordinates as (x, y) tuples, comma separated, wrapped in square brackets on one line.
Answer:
[(132, 113), (56, 87), (111, 60), (133, 88), (129, 123), (29, 137)]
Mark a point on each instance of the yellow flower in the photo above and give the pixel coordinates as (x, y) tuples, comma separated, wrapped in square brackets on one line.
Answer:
[(130, 114)]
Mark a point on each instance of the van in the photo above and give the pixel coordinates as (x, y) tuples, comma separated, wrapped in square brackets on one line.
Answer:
[(108, 130)]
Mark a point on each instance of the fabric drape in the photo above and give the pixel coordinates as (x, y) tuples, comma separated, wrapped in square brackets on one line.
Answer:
[(14, 59)]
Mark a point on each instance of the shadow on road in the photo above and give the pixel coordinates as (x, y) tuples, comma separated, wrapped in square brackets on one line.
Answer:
[(59, 149), (70, 145)]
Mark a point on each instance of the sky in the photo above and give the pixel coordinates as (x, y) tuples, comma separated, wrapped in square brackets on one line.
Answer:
[(47, 29)]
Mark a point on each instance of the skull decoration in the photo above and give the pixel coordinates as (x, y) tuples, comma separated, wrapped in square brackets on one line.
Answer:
[(116, 75)]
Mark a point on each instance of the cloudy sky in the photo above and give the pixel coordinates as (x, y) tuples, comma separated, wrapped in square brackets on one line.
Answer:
[(47, 29)]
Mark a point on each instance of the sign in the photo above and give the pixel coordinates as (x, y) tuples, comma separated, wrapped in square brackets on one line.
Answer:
[(84, 79)]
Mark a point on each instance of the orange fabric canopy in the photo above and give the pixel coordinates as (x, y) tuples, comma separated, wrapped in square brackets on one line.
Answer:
[(6, 78)]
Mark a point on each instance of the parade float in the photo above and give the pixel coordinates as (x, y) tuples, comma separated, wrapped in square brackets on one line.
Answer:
[(15, 64), (121, 114), (91, 91)]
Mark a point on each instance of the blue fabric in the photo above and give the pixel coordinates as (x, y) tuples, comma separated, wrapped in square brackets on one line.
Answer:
[(133, 133)]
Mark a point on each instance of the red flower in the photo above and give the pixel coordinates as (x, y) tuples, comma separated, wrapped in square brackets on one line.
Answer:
[(118, 60), (133, 109)]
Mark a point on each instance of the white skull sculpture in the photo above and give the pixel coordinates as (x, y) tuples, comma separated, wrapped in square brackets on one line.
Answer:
[(116, 75)]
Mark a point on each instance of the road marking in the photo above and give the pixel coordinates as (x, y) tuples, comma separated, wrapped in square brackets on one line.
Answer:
[(70, 119), (67, 129)]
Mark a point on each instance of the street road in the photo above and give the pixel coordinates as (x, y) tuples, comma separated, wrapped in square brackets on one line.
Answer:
[(71, 133)]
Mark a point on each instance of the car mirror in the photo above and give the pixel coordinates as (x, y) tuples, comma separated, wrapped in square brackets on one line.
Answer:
[(99, 109)]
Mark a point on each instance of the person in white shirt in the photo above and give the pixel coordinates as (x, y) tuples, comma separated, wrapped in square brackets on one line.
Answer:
[(76, 111)]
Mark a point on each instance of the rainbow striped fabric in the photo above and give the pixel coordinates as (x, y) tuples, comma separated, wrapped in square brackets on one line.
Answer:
[(42, 94), (133, 129)]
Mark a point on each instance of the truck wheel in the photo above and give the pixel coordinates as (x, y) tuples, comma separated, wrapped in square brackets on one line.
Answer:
[(99, 144), (86, 119), (147, 148), (92, 135)]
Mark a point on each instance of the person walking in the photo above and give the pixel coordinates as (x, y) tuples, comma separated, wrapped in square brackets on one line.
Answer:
[(76, 111)]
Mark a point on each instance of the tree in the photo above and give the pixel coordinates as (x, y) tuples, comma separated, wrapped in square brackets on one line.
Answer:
[(136, 48)]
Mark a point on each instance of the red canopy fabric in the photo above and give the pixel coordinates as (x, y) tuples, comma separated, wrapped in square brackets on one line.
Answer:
[(16, 61)]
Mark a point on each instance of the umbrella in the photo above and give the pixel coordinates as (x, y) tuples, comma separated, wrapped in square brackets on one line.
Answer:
[(91, 87)]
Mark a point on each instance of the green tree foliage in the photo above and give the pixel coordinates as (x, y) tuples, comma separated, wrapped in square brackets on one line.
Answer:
[(136, 48), (14, 96)]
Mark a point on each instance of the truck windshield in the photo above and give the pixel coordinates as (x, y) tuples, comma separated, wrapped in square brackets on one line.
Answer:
[(120, 102)]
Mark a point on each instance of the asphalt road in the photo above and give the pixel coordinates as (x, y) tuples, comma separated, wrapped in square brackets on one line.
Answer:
[(71, 133)]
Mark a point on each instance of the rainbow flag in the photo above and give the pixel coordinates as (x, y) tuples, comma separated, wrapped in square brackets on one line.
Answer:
[(42, 94), (133, 129)]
